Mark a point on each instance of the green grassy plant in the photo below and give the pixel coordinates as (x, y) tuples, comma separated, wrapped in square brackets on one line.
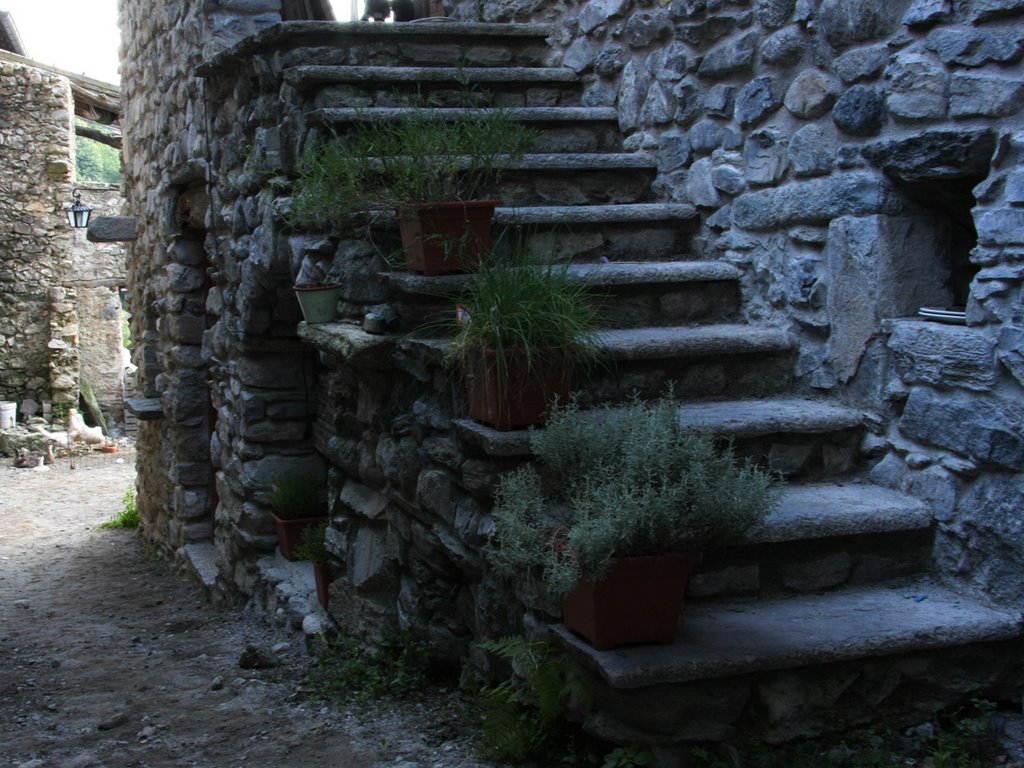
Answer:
[(348, 670), (313, 547), (295, 497), (128, 517)]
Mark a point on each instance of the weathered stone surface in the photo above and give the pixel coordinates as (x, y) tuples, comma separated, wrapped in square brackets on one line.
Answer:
[(674, 151), (986, 429), (644, 29), (850, 21), (943, 355), (784, 47), (860, 111), (935, 154), (706, 136), (820, 200), (720, 100), (825, 573), (812, 151), (688, 100), (659, 105), (581, 54), (983, 95), (880, 266), (861, 63), (756, 100), (728, 178), (730, 57), (811, 94), (987, 10), (765, 156), (917, 87), (632, 91), (609, 61), (974, 48), (112, 229), (774, 13), (699, 187), (927, 12)]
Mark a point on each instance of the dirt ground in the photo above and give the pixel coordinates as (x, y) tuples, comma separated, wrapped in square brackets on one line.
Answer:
[(109, 659)]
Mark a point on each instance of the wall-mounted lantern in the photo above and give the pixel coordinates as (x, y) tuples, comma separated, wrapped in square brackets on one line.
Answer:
[(78, 212)]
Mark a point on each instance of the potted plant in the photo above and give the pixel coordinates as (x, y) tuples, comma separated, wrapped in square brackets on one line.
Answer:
[(522, 328), (316, 293), (429, 165), (621, 507), (313, 547), (296, 506)]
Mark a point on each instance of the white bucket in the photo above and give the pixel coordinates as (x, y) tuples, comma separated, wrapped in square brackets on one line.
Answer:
[(8, 415)]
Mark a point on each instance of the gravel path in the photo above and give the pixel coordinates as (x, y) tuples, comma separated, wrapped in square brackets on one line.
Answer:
[(109, 659)]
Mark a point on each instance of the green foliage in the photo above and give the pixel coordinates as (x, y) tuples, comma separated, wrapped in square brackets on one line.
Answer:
[(533, 311), (128, 517), (620, 483), (423, 155), (523, 716), (347, 670), (313, 547), (96, 162), (627, 757), (295, 497), (126, 330)]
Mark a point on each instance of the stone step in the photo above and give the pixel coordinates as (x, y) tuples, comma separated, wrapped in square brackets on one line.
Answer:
[(570, 215), (528, 115), (420, 43), (698, 341), (822, 536), (601, 274), (827, 510), (311, 77), (561, 129), (760, 418), (738, 637)]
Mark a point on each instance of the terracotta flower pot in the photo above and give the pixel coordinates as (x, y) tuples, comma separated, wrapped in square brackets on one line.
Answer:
[(637, 602), (289, 533), (520, 401), (439, 238)]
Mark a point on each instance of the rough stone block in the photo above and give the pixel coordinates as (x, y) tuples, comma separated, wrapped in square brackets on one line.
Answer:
[(985, 428), (861, 63), (983, 95), (811, 94), (112, 229), (363, 500), (879, 267), (927, 12), (944, 355), (783, 47), (974, 48), (917, 87), (368, 561), (811, 151), (817, 201), (757, 99), (729, 57), (860, 111), (764, 154), (850, 21), (774, 13)]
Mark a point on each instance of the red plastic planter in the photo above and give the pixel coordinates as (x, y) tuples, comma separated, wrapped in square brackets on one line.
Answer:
[(524, 398)]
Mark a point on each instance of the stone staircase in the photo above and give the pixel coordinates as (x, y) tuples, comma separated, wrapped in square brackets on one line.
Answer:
[(828, 615)]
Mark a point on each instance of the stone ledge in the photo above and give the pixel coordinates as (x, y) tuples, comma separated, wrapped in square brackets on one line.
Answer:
[(145, 408), (691, 342), (822, 510), (613, 273), (743, 636), (112, 229), (350, 343), (312, 75), (736, 418), (522, 114)]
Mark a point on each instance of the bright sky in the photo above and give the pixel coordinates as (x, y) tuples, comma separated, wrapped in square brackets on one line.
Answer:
[(81, 36)]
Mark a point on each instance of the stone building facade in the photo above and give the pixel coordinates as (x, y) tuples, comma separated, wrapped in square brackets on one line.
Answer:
[(59, 303), (846, 163)]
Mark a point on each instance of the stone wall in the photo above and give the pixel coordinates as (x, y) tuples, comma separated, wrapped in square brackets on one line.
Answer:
[(858, 159), (57, 322), (165, 123), (35, 249)]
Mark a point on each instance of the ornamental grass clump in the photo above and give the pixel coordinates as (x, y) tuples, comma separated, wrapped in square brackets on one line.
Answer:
[(534, 311), (295, 497), (622, 482)]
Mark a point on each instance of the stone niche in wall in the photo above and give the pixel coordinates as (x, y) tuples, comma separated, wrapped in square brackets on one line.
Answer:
[(885, 267)]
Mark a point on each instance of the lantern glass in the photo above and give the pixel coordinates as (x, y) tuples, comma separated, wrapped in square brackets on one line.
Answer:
[(78, 213)]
